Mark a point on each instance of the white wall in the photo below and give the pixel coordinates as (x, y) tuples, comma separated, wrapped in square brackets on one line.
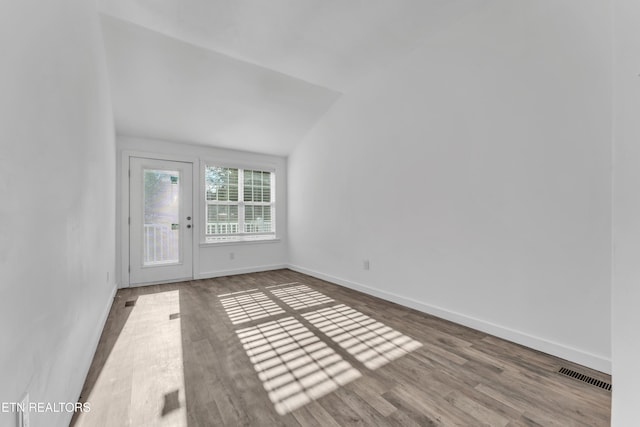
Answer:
[(214, 260), (626, 281), (57, 186), (475, 176)]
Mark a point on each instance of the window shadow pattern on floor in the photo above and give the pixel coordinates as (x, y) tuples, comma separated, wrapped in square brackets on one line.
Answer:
[(301, 296), (369, 341), (295, 366), (245, 307)]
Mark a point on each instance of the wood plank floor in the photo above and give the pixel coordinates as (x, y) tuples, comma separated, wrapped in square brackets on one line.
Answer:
[(282, 348)]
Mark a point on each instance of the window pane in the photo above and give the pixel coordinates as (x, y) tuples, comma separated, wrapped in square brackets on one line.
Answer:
[(212, 213), (233, 192), (223, 194), (221, 183), (222, 219), (233, 176), (161, 237), (257, 186), (266, 187), (257, 219)]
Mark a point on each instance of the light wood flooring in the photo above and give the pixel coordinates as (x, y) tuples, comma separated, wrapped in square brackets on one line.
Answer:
[(282, 348)]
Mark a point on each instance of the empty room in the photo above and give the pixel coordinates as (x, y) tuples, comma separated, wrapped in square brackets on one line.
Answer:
[(319, 213)]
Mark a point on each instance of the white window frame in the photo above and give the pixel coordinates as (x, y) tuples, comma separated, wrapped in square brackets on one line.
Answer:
[(241, 235)]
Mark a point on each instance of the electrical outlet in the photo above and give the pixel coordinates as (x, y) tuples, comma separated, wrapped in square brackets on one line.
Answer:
[(23, 412), (365, 264), (232, 255)]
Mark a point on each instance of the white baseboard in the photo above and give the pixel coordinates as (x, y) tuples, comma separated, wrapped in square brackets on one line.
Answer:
[(93, 345), (593, 361), (96, 338), (220, 273)]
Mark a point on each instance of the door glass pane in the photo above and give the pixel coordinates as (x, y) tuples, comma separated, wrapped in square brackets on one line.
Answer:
[(161, 236)]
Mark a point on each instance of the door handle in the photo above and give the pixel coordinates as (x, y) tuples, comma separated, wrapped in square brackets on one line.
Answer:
[(188, 218), (188, 225)]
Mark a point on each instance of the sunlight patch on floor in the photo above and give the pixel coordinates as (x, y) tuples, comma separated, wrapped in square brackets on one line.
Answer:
[(298, 297), (368, 340), (142, 380), (247, 307), (293, 364)]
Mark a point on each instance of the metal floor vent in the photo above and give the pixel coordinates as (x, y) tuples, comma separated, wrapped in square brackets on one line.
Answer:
[(585, 378), (130, 303)]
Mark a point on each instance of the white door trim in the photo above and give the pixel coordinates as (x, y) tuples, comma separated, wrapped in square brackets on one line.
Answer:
[(124, 207)]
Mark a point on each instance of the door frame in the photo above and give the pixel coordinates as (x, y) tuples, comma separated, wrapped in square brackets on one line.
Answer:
[(123, 217)]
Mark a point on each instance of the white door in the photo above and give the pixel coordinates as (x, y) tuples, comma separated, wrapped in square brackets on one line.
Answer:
[(161, 226)]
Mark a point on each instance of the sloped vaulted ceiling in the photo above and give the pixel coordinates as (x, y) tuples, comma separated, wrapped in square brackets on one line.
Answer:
[(168, 89), (249, 74)]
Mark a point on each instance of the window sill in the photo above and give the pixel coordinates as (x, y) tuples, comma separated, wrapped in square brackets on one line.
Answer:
[(240, 241)]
